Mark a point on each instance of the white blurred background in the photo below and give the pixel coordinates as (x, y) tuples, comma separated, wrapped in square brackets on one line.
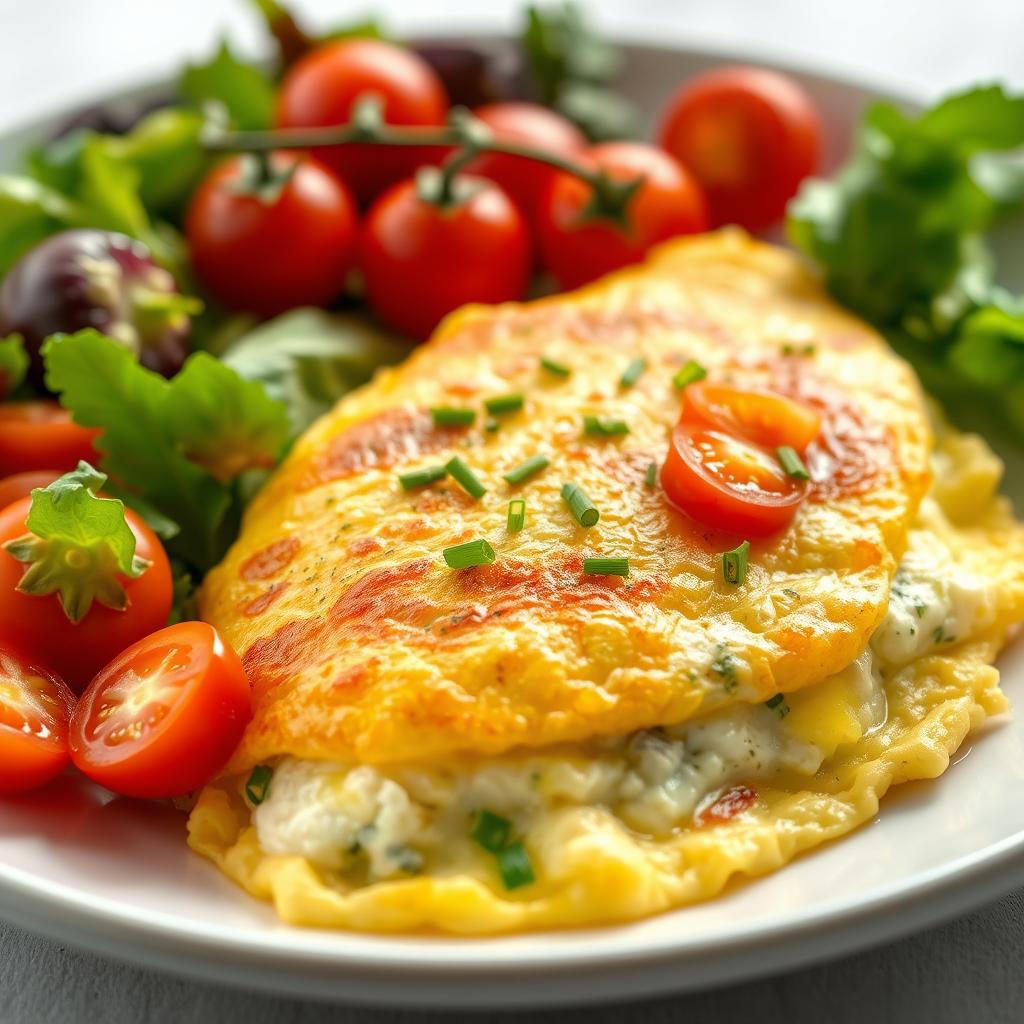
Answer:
[(56, 53)]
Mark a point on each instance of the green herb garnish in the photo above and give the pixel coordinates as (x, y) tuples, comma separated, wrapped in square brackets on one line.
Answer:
[(501, 405), (606, 566), (468, 555), (583, 509), (422, 477), (491, 831), (516, 515), (651, 475), (633, 372), (445, 416), (514, 866), (598, 426), (258, 786), (465, 478), (554, 367), (689, 373), (778, 705), (526, 469), (792, 463), (734, 563)]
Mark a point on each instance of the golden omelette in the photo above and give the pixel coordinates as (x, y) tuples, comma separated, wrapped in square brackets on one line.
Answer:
[(521, 744)]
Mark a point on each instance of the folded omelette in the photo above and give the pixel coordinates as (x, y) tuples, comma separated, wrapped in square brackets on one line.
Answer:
[(522, 745)]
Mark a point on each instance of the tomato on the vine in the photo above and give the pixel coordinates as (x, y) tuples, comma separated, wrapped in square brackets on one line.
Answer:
[(322, 88), (21, 485), (423, 257), (268, 237), (41, 435), (749, 136), (39, 627), (35, 706), (164, 716), (578, 243), (524, 180)]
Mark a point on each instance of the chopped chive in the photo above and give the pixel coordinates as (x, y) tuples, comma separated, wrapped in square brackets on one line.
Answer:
[(689, 374), (490, 424), (651, 476), (734, 563), (504, 404), (633, 372), (422, 477), (465, 556), (514, 866), (526, 469), (258, 786), (778, 705), (491, 831), (444, 416), (465, 478), (583, 510), (606, 566), (516, 515), (792, 463), (555, 367), (600, 427)]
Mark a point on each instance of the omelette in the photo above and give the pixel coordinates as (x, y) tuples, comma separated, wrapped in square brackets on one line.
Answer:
[(522, 743)]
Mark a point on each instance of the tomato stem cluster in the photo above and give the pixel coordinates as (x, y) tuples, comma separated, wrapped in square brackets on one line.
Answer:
[(465, 135)]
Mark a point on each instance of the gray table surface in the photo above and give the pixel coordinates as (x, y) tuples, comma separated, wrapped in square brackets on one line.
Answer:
[(57, 51)]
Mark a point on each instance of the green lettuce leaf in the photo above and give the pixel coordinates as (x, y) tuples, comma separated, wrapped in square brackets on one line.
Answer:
[(242, 89), (13, 363), (29, 212)]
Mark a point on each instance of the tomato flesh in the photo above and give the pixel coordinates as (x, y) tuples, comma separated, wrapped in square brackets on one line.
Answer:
[(41, 435), (728, 483), (749, 136), (164, 716), (34, 709), (763, 417), (38, 625)]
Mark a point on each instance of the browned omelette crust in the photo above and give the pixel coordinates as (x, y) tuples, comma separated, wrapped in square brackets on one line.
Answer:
[(361, 644)]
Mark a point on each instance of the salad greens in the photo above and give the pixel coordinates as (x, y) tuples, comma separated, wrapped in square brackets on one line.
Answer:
[(13, 363), (72, 532), (244, 91), (901, 236)]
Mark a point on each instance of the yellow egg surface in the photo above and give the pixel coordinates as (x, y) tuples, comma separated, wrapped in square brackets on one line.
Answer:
[(363, 647)]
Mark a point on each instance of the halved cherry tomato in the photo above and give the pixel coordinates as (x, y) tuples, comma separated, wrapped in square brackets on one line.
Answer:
[(35, 706), (266, 254), (749, 136), (421, 260), (21, 485), (164, 716), (577, 246), (39, 626), (38, 434), (728, 483), (322, 87), (525, 181), (764, 417)]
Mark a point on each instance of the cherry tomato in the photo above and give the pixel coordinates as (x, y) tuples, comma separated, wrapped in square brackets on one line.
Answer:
[(35, 706), (577, 247), (421, 260), (764, 417), (269, 254), (728, 483), (38, 434), (21, 485), (525, 181), (164, 716), (749, 136), (322, 88), (39, 627)]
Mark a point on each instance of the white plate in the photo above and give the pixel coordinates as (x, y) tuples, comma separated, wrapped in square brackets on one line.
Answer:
[(116, 877)]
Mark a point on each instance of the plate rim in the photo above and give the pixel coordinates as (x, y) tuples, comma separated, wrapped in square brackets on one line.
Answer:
[(97, 924)]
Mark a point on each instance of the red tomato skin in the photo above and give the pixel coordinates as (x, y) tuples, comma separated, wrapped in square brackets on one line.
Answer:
[(40, 435), (267, 258), (39, 628), (525, 181), (669, 203), (322, 87), (420, 261), (28, 762), (21, 485), (763, 417), (750, 136), (193, 742), (693, 490)]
